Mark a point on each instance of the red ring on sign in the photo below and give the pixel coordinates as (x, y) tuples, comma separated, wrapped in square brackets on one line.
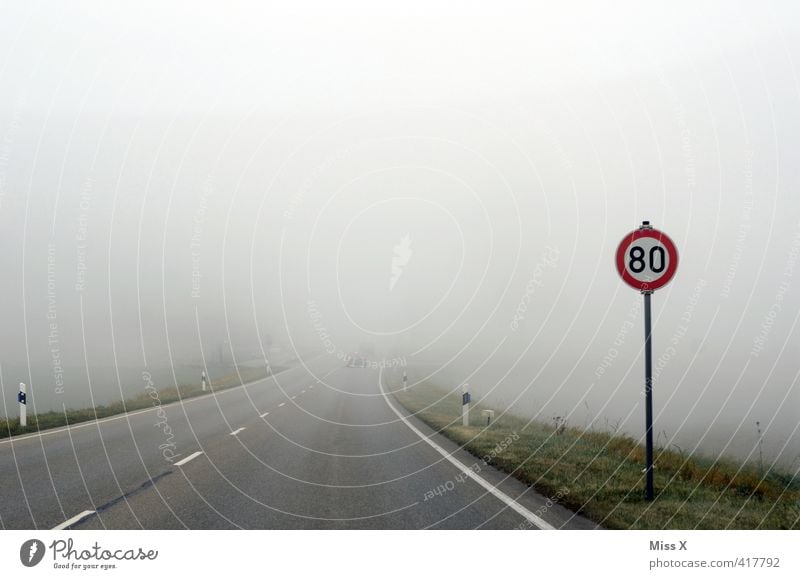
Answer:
[(622, 251)]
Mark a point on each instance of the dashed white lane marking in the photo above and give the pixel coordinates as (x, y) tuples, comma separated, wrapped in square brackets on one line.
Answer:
[(263, 415), (494, 491), (238, 430), (293, 397), (188, 458), (281, 404), (76, 519), (312, 386), (302, 392)]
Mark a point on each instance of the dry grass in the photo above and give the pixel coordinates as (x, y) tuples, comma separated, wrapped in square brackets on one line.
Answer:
[(603, 473)]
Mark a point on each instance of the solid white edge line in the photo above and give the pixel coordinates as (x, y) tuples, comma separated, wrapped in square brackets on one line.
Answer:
[(120, 416), (497, 493), (76, 519), (188, 458), (238, 430)]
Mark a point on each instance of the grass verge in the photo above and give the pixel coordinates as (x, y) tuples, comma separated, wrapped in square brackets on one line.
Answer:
[(600, 474), (47, 420)]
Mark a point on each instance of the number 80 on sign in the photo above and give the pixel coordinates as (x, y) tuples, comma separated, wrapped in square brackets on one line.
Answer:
[(647, 259)]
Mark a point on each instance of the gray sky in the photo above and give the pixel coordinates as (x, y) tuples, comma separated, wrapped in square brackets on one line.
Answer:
[(278, 157)]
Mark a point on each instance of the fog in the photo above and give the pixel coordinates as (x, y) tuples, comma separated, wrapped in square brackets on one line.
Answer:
[(185, 187)]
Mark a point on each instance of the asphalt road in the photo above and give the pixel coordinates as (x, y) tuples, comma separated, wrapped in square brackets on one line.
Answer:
[(316, 447)]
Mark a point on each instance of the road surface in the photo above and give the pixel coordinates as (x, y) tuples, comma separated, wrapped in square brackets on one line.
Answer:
[(320, 446)]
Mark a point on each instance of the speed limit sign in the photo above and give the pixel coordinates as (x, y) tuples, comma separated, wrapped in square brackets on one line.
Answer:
[(647, 259)]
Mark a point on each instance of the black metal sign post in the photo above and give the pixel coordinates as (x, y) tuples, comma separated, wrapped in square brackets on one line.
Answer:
[(648, 395), (646, 260)]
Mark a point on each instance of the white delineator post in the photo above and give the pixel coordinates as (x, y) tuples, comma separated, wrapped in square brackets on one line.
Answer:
[(405, 380), (22, 397), (203, 380), (465, 400)]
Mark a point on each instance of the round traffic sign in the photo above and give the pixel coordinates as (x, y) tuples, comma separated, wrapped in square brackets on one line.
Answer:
[(647, 259)]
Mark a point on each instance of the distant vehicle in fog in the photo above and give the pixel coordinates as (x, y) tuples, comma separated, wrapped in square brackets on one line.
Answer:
[(356, 360)]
